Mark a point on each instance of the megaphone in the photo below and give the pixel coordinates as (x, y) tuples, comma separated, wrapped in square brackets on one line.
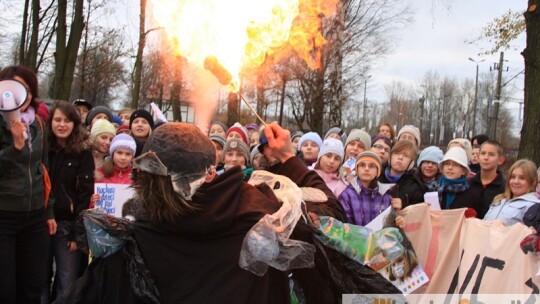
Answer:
[(12, 97)]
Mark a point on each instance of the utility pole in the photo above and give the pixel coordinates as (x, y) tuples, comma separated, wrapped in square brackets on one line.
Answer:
[(475, 95), (497, 101), (365, 102), (422, 100)]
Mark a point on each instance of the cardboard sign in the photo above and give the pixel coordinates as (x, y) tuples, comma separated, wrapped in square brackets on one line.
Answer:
[(113, 197)]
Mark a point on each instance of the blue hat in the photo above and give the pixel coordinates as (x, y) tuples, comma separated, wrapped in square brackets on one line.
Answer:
[(314, 137), (432, 153), (117, 120)]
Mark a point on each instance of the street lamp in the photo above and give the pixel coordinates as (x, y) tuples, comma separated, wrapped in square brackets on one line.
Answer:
[(475, 94), (365, 101)]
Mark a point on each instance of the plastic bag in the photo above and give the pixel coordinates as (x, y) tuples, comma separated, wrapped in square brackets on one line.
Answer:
[(100, 241), (359, 243), (267, 243)]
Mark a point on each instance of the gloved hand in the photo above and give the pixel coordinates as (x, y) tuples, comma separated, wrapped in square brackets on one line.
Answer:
[(531, 243), (470, 212)]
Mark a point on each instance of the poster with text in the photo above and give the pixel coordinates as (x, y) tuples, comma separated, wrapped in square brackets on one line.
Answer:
[(113, 197)]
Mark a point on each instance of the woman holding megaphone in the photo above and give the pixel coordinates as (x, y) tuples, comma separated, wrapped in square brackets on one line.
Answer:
[(26, 216)]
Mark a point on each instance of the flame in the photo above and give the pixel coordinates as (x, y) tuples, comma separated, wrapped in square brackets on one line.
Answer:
[(241, 33)]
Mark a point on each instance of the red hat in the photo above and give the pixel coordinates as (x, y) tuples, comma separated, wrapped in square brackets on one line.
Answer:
[(238, 128)]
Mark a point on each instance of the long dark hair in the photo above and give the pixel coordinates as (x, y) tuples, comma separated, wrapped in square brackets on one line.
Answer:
[(159, 200), (28, 75), (78, 140)]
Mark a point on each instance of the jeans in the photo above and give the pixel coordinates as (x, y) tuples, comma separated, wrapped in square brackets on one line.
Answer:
[(24, 248), (68, 264)]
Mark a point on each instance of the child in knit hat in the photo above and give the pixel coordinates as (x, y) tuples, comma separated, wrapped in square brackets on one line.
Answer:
[(357, 142), (219, 142), (310, 144), (328, 164), (116, 169), (218, 128), (238, 131), (102, 132), (363, 200), (428, 164), (295, 138), (236, 153), (410, 133)]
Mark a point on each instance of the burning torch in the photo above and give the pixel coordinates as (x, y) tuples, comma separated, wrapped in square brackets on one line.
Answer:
[(225, 78)]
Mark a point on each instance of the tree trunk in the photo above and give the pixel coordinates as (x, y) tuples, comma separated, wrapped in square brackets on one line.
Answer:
[(24, 30), (233, 109), (32, 55), (139, 60), (65, 56), (529, 146)]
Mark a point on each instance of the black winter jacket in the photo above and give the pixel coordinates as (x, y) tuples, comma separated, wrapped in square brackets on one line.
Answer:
[(489, 192), (72, 177), (410, 188), (21, 174)]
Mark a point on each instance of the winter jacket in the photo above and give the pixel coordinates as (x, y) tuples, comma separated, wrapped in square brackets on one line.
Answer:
[(410, 188), (120, 176), (333, 181), (470, 198), (21, 174), (72, 177), (361, 204), (511, 211), (489, 191)]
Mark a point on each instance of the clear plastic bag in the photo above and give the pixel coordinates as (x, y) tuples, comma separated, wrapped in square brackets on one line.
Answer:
[(267, 243)]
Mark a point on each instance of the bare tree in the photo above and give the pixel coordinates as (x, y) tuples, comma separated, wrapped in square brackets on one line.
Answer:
[(67, 48)]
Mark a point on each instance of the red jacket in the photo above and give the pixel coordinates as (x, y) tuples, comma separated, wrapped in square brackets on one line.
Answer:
[(120, 176)]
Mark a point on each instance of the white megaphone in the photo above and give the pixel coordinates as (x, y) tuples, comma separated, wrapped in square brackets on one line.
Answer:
[(12, 97)]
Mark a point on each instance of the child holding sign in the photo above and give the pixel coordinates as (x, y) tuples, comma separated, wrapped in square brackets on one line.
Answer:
[(117, 168)]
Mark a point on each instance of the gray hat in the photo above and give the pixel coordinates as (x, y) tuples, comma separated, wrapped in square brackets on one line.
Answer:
[(95, 111), (235, 144)]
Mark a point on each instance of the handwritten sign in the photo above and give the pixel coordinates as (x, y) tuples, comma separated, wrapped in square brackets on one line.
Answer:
[(113, 197)]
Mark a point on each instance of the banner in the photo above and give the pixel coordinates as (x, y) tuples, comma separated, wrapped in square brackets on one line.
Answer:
[(113, 197), (470, 256)]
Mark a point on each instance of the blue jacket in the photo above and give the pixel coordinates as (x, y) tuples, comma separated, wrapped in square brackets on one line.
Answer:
[(511, 211), (361, 204)]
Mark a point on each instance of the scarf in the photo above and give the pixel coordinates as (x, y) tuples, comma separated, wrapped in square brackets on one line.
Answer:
[(28, 117), (392, 178), (451, 187)]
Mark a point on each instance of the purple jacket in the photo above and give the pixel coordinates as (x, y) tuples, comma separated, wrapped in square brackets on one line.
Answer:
[(361, 204)]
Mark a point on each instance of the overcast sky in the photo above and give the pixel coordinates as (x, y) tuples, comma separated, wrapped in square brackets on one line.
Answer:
[(436, 41)]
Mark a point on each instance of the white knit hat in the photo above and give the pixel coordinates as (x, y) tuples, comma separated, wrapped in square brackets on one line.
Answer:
[(123, 141), (458, 155), (314, 137), (413, 130), (331, 145)]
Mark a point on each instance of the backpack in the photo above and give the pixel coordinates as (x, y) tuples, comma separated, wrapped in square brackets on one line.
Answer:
[(46, 178)]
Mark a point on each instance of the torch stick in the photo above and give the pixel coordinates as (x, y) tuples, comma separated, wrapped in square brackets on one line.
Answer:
[(225, 78)]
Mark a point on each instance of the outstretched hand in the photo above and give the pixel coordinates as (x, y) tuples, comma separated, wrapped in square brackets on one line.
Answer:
[(279, 141)]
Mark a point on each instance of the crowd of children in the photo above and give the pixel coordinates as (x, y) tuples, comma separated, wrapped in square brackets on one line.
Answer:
[(365, 174)]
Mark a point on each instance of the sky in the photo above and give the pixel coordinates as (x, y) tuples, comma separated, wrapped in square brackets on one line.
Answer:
[(436, 41)]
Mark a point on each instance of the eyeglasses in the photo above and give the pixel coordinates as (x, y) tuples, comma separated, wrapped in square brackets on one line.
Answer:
[(450, 163), (367, 165), (381, 148)]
